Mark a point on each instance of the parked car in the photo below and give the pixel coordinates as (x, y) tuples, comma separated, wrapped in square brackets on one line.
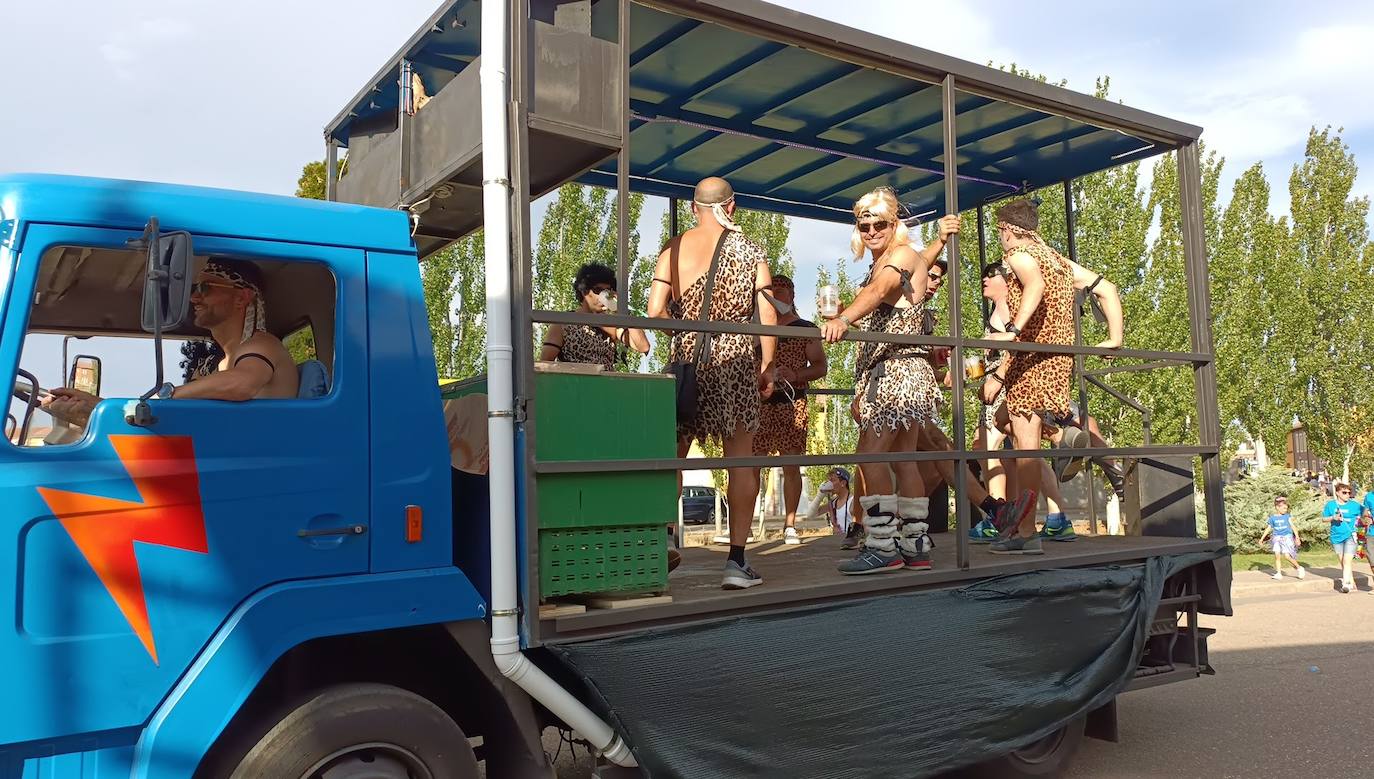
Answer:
[(699, 505)]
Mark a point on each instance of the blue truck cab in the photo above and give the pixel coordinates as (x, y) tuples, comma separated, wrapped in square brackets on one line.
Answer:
[(171, 585)]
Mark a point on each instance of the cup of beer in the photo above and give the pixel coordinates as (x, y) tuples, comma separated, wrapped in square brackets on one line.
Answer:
[(974, 367), (829, 298)]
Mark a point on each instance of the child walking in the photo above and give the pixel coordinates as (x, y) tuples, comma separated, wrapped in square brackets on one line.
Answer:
[(1284, 537)]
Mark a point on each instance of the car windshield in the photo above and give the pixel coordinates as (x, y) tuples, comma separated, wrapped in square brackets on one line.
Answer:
[(696, 492)]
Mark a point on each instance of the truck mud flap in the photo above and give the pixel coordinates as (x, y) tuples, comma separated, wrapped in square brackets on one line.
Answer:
[(903, 685)]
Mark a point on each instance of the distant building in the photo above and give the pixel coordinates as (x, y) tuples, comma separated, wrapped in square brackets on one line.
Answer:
[(1300, 457)]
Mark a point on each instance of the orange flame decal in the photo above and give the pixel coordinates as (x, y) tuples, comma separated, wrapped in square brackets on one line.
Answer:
[(105, 529)]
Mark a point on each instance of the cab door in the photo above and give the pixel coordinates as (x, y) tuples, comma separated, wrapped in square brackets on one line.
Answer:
[(124, 552)]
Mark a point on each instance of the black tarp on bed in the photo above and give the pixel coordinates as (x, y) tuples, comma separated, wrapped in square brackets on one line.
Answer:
[(902, 685)]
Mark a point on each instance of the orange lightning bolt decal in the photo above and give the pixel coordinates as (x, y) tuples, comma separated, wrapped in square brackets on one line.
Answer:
[(105, 529)]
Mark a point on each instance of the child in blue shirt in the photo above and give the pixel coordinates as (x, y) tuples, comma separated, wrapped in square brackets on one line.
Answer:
[(1284, 537), (1343, 513)]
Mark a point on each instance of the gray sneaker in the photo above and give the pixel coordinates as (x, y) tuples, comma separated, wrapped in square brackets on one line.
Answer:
[(872, 561), (1017, 545), (1065, 468), (739, 577)]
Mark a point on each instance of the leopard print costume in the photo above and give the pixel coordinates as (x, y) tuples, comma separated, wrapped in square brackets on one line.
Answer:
[(584, 343), (896, 384), (727, 378), (783, 423), (1036, 381)]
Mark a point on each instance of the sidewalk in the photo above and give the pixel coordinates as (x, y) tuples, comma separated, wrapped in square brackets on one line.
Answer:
[(1257, 583)]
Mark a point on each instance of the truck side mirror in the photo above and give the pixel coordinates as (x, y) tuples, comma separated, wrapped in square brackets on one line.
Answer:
[(167, 292), (84, 374)]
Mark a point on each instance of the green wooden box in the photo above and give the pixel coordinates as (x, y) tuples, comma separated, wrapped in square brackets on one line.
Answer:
[(609, 416)]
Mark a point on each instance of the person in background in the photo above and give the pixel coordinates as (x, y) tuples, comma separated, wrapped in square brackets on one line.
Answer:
[(783, 420), (1364, 541), (1283, 537), (1343, 513), (837, 507), (594, 289)]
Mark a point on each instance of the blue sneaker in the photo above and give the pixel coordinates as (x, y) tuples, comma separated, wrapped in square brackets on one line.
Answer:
[(983, 533), (1058, 528)]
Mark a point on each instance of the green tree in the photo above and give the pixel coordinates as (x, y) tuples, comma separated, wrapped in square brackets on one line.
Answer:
[(311, 183), (1332, 282), (454, 284)]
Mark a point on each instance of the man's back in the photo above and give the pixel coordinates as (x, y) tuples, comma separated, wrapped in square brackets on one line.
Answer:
[(689, 256)]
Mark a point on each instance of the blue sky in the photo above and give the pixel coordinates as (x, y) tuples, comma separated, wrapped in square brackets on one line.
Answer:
[(236, 95)]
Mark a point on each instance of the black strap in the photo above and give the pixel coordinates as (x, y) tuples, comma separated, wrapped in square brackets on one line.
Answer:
[(243, 357), (1090, 300), (704, 339)]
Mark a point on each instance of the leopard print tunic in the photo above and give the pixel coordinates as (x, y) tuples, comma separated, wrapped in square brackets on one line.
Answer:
[(895, 383), (1040, 382), (783, 423), (727, 379), (583, 343)]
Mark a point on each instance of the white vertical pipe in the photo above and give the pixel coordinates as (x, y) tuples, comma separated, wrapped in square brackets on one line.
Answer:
[(496, 190)]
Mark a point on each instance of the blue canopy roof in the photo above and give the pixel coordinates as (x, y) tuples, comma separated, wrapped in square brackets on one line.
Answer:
[(803, 116)]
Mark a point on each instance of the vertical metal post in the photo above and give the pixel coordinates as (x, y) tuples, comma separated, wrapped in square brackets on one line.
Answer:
[(983, 261), (1071, 225), (956, 360), (1200, 319), (522, 291), (331, 169), (622, 168), (403, 126), (672, 217)]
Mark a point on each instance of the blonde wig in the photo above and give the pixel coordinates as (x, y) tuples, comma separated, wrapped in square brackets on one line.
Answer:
[(880, 204)]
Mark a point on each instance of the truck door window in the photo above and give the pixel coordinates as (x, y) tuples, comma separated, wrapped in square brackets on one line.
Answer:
[(87, 301)]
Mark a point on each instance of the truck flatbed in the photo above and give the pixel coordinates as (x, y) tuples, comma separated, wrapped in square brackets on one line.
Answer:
[(799, 575)]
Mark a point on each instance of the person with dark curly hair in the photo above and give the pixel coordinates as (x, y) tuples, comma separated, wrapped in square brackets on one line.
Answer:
[(594, 289)]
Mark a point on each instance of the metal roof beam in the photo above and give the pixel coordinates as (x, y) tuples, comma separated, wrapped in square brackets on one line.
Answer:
[(443, 62), (785, 99), (673, 153), (730, 69), (662, 40)]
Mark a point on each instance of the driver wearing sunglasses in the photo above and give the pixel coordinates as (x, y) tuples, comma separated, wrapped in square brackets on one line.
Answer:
[(226, 300)]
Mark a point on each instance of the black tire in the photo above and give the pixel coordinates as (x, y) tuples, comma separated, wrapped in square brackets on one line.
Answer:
[(381, 728), (1047, 757)]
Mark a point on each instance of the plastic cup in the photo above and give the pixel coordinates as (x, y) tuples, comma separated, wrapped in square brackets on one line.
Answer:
[(973, 367), (829, 298)]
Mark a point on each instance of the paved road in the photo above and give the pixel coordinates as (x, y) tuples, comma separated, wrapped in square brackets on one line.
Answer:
[(1266, 713)]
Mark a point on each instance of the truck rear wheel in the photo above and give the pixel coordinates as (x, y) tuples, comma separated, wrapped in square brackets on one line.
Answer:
[(1047, 757), (362, 731)]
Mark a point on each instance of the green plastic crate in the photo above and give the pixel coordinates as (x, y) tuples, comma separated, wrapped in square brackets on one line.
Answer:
[(603, 559), (609, 416)]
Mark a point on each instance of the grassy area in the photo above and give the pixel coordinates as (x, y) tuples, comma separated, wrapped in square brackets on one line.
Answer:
[(1321, 557)]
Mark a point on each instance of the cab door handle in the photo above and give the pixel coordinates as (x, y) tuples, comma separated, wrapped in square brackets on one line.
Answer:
[(347, 530)]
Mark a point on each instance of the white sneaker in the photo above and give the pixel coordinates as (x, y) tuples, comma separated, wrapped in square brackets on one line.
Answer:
[(789, 536), (1278, 575), (1301, 572)]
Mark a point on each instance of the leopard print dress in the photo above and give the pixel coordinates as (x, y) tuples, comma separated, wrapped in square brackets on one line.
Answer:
[(583, 343), (895, 383), (727, 378), (783, 422), (1036, 381)]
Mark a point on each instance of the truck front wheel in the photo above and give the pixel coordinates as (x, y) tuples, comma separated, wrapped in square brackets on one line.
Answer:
[(361, 731), (1047, 757)]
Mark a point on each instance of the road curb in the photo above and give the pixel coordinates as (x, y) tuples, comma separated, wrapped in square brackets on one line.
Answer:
[(1313, 583)]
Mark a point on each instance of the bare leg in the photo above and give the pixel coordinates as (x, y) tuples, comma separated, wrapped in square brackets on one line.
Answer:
[(1054, 499), (1025, 430), (742, 488), (1347, 575), (791, 491), (876, 477)]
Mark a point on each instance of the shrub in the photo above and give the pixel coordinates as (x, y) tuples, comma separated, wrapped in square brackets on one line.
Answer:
[(1251, 500)]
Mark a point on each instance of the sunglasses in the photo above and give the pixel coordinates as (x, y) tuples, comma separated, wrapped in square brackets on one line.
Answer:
[(204, 287), (994, 271), (876, 227)]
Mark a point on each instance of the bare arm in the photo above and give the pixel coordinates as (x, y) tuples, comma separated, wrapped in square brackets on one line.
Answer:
[(636, 339), (816, 365), (763, 280), (553, 343), (1108, 297), (239, 382), (883, 283), (1032, 286), (660, 289), (948, 225)]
